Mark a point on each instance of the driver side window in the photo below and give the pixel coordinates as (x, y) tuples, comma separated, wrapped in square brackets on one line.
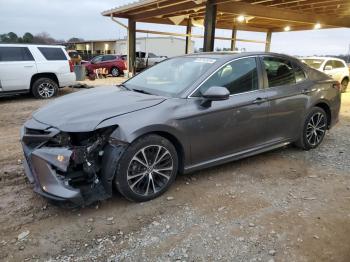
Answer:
[(96, 59), (238, 76)]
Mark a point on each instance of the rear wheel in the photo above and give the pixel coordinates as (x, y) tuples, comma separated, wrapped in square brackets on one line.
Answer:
[(115, 72), (147, 168), (344, 84), (44, 88), (314, 130)]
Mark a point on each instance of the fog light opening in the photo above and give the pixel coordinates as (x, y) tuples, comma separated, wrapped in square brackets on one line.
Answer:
[(60, 158)]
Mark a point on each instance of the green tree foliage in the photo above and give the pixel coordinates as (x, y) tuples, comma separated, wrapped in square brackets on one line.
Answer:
[(27, 38)]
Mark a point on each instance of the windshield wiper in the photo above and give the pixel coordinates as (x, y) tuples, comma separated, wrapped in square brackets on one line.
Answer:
[(141, 91), (124, 86)]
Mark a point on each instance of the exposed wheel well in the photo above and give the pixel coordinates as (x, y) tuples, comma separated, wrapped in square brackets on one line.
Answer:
[(35, 77), (347, 78), (326, 108), (178, 146)]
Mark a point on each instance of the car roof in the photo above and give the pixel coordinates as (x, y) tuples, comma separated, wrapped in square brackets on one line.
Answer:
[(229, 55), (322, 57), (35, 45)]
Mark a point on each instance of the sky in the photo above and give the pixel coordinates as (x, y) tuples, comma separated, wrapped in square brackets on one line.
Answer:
[(64, 19)]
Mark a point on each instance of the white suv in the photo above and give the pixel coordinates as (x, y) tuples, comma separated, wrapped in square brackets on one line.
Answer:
[(39, 69), (334, 67)]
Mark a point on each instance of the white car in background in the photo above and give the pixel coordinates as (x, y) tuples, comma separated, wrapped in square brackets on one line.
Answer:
[(36, 69), (334, 67)]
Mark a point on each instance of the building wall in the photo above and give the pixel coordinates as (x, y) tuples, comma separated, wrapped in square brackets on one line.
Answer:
[(162, 46)]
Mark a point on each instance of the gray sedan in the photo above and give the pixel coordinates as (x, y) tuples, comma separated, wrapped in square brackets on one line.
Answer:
[(181, 115)]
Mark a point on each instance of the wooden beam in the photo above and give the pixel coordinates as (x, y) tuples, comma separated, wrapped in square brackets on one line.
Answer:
[(268, 41), (198, 36), (209, 26), (188, 37), (176, 7), (131, 47), (280, 14), (233, 41)]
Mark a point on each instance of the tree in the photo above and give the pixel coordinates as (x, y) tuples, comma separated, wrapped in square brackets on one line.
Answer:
[(13, 38), (75, 39), (27, 38), (43, 38)]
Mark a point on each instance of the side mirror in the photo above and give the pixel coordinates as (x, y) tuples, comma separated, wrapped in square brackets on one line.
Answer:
[(327, 68), (215, 93)]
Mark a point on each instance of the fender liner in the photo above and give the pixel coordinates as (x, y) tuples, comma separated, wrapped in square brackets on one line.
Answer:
[(111, 157)]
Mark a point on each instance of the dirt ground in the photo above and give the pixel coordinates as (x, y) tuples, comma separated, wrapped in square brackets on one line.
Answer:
[(285, 205)]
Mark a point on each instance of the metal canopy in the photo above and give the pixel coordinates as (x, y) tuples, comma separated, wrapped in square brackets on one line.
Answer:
[(259, 15), (250, 15)]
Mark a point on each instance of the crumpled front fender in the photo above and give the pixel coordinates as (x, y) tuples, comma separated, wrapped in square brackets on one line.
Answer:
[(111, 157)]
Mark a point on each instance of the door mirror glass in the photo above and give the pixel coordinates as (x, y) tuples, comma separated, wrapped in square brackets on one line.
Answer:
[(328, 67), (216, 93)]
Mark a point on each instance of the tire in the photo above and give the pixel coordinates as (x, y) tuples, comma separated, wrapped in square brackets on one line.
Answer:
[(44, 88), (115, 72), (344, 85), (314, 129), (136, 178)]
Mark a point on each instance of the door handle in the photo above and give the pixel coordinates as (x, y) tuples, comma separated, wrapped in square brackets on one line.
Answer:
[(28, 66), (305, 91), (259, 100)]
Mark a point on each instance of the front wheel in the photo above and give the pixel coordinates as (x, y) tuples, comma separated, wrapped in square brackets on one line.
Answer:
[(314, 129), (147, 168)]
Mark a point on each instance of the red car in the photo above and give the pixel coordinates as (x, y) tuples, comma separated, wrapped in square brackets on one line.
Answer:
[(115, 64)]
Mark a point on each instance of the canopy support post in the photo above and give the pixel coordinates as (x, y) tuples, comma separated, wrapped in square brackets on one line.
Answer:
[(209, 26)]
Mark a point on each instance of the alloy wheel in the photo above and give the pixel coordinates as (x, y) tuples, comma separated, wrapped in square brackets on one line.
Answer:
[(149, 170), (115, 72), (46, 90), (316, 129)]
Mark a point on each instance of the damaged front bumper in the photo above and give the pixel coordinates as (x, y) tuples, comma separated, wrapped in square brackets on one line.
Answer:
[(68, 173)]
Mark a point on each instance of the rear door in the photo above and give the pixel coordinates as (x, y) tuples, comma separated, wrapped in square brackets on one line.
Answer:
[(17, 66), (108, 61), (286, 89)]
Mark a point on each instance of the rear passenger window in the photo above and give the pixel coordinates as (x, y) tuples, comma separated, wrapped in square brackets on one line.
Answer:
[(299, 73), (239, 76), (338, 64), (52, 53), (108, 57), (15, 54), (279, 71)]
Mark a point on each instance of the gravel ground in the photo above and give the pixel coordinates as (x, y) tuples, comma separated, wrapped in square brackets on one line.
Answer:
[(285, 205)]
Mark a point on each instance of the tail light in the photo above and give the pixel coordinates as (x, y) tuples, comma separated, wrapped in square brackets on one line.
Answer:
[(71, 65), (337, 86)]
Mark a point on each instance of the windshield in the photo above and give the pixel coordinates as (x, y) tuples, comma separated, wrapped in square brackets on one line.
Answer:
[(314, 63), (170, 77)]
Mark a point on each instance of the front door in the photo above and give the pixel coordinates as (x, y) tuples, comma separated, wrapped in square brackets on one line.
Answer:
[(17, 66), (234, 125)]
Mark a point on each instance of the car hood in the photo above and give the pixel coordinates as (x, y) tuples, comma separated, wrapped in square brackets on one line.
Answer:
[(84, 110)]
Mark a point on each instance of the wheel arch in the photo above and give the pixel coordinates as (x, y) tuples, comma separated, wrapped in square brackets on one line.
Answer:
[(167, 132), (177, 144), (324, 105), (37, 76)]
